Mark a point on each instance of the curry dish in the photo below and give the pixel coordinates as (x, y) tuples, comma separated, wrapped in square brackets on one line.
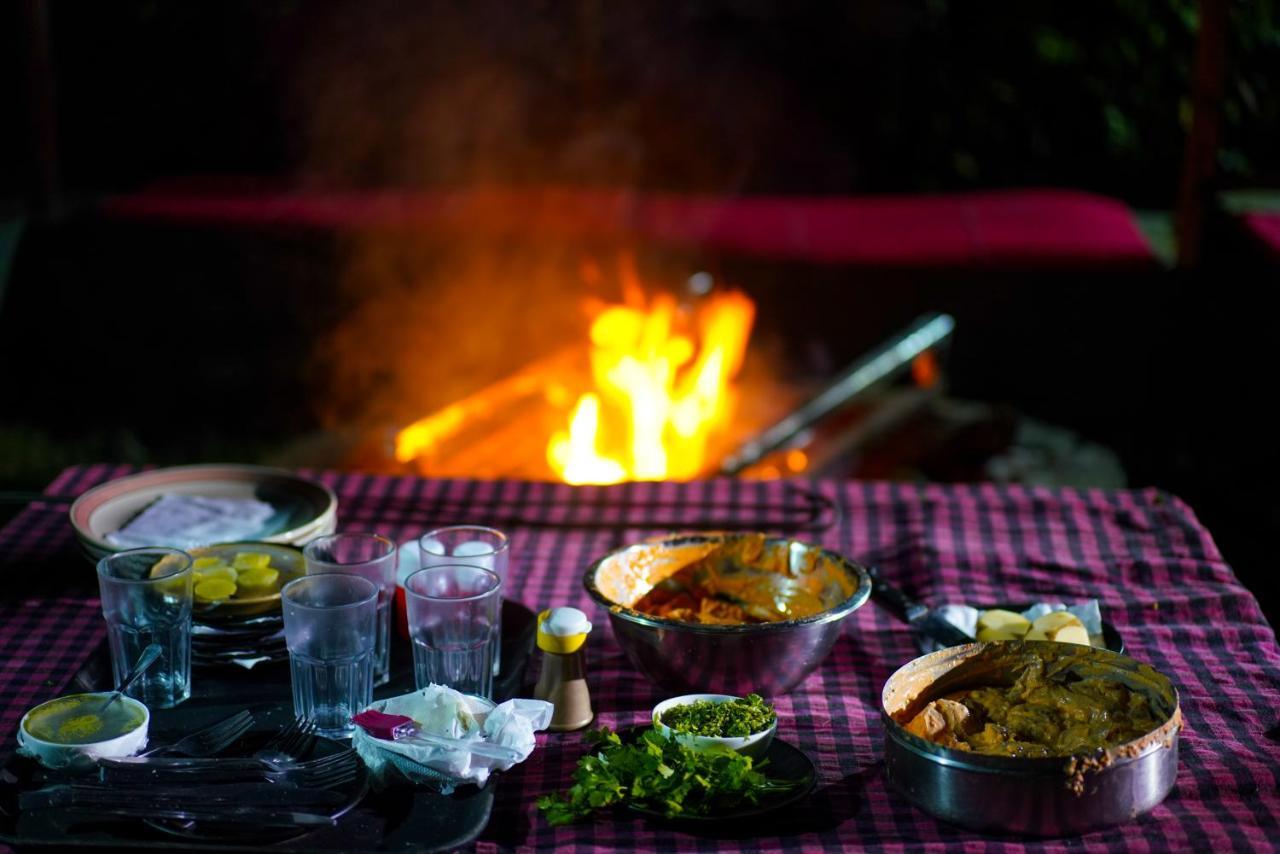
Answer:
[(1049, 710), (738, 581)]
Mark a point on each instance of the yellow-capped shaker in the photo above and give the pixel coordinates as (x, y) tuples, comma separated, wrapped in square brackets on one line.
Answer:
[(562, 680), (562, 630)]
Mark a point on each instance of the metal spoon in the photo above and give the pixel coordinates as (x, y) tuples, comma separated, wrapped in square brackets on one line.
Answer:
[(148, 658)]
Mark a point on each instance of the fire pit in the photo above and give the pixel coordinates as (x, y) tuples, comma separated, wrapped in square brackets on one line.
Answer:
[(668, 389), (646, 399)]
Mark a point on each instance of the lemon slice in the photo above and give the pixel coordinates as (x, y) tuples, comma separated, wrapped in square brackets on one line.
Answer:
[(260, 580), (990, 635), (215, 589), (251, 560), (1061, 626), (1000, 620), (166, 565), (203, 564), (223, 572)]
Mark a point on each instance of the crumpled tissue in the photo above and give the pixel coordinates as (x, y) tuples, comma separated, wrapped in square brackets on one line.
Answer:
[(965, 618), (462, 739)]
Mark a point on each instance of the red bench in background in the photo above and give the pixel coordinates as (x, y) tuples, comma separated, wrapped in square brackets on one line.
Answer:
[(1031, 229), (1264, 228)]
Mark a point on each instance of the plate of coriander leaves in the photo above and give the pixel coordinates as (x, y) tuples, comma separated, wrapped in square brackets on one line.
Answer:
[(644, 771)]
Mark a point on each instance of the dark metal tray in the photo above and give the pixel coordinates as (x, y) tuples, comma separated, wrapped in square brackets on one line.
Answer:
[(397, 819)]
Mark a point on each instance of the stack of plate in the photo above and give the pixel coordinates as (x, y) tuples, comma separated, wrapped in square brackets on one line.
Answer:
[(244, 630), (248, 628), (304, 509), (246, 643)]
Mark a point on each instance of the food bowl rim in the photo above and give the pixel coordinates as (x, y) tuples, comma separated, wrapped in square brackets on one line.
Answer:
[(57, 745), (737, 742), (1033, 766), (835, 613)]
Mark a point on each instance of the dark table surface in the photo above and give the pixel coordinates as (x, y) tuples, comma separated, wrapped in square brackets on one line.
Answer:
[(1156, 571)]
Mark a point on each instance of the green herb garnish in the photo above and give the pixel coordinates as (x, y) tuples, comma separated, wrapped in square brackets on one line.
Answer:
[(731, 719), (660, 774)]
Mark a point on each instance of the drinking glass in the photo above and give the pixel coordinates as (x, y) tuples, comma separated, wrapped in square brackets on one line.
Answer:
[(469, 545), (454, 617), (330, 628), (146, 598), (368, 556)]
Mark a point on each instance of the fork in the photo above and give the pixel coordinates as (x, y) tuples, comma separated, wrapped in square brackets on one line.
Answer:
[(325, 772), (260, 794), (249, 816), (209, 741), (293, 741)]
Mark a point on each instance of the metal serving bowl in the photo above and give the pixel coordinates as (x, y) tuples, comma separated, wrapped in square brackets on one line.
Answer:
[(764, 658), (1044, 797)]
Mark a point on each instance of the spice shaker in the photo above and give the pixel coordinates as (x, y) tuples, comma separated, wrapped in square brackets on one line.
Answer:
[(563, 680)]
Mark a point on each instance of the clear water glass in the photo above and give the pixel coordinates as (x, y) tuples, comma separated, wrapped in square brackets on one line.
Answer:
[(369, 556), (469, 545), (455, 613), (330, 627), (146, 599)]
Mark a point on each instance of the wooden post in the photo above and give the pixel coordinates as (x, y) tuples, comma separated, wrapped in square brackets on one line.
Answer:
[(42, 114), (1208, 76)]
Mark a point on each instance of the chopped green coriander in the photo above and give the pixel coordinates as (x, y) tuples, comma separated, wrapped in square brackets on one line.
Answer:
[(731, 719), (661, 774)]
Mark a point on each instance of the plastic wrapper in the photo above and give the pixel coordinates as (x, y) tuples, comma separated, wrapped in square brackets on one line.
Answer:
[(461, 738)]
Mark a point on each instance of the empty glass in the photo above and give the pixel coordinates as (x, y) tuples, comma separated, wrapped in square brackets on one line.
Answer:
[(469, 545), (454, 617), (146, 598), (330, 626), (369, 556)]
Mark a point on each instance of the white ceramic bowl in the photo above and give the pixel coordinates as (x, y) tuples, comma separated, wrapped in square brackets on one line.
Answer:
[(83, 756), (754, 745)]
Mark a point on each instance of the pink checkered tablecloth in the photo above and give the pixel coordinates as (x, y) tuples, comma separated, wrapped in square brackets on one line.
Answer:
[(1143, 554)]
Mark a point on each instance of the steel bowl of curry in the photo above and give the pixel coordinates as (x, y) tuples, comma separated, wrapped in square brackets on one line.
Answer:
[(727, 613), (1032, 737)]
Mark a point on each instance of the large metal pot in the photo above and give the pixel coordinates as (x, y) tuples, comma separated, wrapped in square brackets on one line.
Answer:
[(1047, 797), (765, 658)]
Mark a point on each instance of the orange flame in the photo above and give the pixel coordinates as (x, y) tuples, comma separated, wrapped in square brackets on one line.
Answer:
[(667, 386)]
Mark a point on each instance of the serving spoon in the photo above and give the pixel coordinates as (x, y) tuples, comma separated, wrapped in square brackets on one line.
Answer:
[(148, 658)]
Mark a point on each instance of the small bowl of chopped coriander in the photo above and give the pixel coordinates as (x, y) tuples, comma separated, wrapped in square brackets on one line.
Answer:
[(718, 721)]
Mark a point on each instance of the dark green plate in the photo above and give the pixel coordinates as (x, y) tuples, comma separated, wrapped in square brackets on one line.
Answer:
[(785, 762)]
